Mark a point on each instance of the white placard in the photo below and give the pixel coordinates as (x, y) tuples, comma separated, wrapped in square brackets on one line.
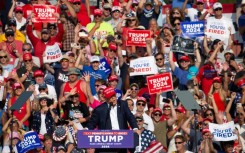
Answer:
[(143, 66), (52, 54), (223, 132)]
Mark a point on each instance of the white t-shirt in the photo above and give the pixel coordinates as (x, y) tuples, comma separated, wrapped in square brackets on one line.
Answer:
[(43, 129), (192, 13), (20, 24)]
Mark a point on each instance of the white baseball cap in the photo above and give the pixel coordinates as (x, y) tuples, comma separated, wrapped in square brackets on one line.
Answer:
[(217, 5), (94, 59)]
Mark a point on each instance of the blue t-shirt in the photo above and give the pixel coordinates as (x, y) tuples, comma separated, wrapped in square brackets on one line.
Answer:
[(181, 75), (241, 23), (179, 3), (95, 74)]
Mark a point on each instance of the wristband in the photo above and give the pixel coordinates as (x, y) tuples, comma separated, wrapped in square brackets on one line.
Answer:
[(61, 111)]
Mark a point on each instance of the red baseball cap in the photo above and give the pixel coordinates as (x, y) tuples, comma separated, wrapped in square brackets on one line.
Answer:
[(205, 130), (113, 46), (74, 1), (16, 85), (38, 73), (113, 77), (184, 58), (141, 99), (98, 12), (217, 79), (18, 8), (109, 92), (27, 56), (180, 109), (157, 110)]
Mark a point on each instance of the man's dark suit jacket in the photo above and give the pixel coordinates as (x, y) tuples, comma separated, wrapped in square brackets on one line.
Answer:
[(101, 117)]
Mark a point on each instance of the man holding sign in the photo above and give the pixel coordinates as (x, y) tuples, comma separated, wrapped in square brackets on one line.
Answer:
[(219, 27), (40, 44), (182, 71)]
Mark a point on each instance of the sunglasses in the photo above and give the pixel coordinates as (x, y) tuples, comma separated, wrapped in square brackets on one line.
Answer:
[(239, 114), (113, 51), (139, 121), (130, 20), (159, 59), (140, 104), (76, 3), (97, 85), (8, 35), (44, 99), (199, 3), (97, 16), (178, 142), (28, 60), (175, 24), (41, 89), (24, 49), (19, 12), (182, 61), (218, 9), (3, 56), (209, 114), (167, 108), (134, 89), (116, 11), (157, 114), (107, 9)]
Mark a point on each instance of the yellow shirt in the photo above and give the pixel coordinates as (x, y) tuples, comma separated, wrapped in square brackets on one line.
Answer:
[(18, 36), (104, 30)]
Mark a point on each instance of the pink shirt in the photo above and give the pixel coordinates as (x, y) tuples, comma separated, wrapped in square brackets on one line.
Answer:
[(10, 47)]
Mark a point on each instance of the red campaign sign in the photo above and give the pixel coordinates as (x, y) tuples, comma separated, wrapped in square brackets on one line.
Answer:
[(160, 83), (44, 13), (137, 37)]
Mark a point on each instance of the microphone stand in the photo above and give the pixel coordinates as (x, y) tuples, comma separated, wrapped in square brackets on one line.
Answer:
[(195, 128), (11, 131)]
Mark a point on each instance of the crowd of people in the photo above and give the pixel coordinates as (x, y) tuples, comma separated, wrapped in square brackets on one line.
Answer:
[(79, 92)]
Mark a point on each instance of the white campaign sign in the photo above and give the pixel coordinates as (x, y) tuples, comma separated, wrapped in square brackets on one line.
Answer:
[(52, 54), (223, 132), (218, 29), (143, 66)]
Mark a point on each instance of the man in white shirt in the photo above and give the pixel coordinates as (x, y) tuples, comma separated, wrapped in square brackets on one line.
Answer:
[(141, 104), (195, 13)]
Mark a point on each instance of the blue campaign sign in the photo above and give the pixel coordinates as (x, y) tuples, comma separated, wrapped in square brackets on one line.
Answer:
[(105, 139), (192, 29), (30, 141), (105, 66)]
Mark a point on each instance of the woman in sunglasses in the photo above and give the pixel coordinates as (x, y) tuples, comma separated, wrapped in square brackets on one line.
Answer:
[(131, 22), (177, 28), (4, 62)]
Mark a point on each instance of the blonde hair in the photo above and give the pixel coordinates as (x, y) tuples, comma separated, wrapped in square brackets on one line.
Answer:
[(220, 91), (4, 52)]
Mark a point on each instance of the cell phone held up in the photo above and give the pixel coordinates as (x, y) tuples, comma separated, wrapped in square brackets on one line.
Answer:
[(165, 100)]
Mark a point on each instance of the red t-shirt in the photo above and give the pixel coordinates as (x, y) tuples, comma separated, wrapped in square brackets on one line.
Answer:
[(20, 114), (82, 16)]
